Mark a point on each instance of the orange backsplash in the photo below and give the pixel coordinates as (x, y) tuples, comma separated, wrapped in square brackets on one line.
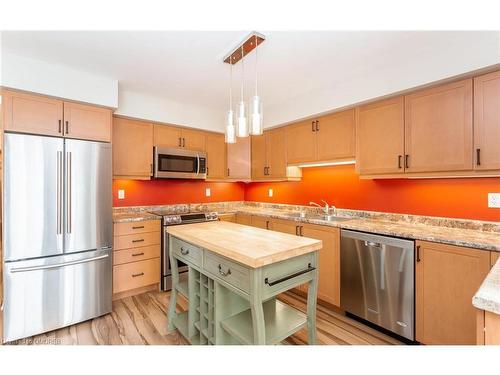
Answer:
[(340, 185), (156, 192)]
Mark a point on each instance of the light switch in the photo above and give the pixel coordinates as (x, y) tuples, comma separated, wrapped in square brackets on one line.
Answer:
[(208, 192), (270, 192), (121, 194), (494, 200)]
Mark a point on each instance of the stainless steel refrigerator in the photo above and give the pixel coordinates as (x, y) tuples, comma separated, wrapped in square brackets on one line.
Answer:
[(58, 235)]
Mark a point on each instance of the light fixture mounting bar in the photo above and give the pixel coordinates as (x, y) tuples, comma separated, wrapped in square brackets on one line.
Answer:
[(248, 44)]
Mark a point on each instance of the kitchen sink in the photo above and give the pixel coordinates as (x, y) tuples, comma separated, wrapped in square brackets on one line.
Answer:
[(319, 216)]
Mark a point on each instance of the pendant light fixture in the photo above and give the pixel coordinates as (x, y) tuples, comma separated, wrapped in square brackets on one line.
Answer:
[(242, 112), (230, 128), (256, 104), (253, 125)]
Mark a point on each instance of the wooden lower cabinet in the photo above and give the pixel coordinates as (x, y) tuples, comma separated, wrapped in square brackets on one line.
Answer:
[(447, 277), (228, 217), (243, 219), (261, 222), (491, 328), (136, 275), (494, 257)]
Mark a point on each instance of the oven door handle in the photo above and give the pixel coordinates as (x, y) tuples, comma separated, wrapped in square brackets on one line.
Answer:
[(197, 164)]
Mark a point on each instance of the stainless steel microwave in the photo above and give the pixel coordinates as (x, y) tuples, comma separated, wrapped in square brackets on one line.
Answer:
[(177, 163)]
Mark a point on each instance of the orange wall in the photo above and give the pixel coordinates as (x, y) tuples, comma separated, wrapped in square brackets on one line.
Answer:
[(156, 192), (340, 185)]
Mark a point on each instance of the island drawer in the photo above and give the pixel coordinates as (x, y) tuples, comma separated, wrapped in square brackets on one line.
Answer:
[(136, 254), (186, 251), (136, 240), (135, 275), (121, 229), (224, 269)]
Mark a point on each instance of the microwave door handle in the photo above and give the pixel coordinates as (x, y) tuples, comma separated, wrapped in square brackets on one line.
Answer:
[(197, 164)]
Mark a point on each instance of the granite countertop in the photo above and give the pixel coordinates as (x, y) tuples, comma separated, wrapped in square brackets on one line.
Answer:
[(488, 296), (127, 217)]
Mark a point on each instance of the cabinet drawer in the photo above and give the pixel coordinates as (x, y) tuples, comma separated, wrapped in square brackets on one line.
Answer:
[(135, 275), (136, 240), (186, 251), (224, 269), (121, 229), (136, 254)]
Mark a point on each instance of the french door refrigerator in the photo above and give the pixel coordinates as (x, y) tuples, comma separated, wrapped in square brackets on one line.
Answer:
[(57, 229)]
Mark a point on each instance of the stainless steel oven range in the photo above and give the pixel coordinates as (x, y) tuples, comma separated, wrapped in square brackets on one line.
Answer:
[(177, 219)]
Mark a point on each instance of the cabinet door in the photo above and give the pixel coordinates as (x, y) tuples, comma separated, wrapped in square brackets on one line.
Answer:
[(132, 148), (285, 226), (438, 128), (380, 137), (32, 114), (487, 121), (193, 140), (87, 122), (276, 153), (494, 257), (336, 136), (329, 261), (238, 159), (259, 159), (447, 277), (216, 156), (244, 219), (167, 136), (261, 222), (301, 142)]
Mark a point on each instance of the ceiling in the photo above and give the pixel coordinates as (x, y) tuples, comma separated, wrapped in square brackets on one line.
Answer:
[(187, 66)]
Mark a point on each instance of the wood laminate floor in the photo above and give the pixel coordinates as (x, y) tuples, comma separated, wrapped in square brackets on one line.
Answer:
[(142, 319)]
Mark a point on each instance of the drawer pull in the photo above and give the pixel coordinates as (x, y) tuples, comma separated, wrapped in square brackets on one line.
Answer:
[(137, 254), (141, 240), (139, 227), (184, 251), (272, 283), (138, 274), (224, 273)]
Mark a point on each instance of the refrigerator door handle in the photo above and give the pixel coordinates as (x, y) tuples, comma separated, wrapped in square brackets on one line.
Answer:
[(59, 192), (37, 268), (69, 193)]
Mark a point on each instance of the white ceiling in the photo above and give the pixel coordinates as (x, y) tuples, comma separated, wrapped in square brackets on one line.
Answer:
[(187, 66)]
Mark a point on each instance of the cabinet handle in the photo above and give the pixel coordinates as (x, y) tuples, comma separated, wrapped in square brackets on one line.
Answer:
[(138, 227), (478, 156), (312, 126), (141, 240), (317, 125), (418, 253), (138, 274), (298, 273), (184, 251), (60, 126), (267, 224), (407, 161), (296, 230), (224, 273), (67, 127), (180, 142), (183, 142), (399, 161), (228, 174), (151, 169), (300, 230), (137, 254)]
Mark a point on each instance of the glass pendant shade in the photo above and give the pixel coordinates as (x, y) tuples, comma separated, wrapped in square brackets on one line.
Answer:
[(230, 128), (242, 121), (256, 116)]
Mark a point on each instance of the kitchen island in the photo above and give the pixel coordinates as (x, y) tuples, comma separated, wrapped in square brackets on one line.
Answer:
[(235, 273)]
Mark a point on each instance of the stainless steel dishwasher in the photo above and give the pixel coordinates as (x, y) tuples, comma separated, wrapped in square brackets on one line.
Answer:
[(377, 280)]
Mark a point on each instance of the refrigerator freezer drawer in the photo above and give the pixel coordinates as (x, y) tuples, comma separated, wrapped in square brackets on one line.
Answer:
[(45, 294)]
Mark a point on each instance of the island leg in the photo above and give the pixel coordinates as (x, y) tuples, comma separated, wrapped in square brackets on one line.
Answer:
[(257, 309), (312, 292), (173, 293)]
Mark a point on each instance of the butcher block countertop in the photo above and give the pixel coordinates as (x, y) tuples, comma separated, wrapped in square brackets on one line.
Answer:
[(253, 247)]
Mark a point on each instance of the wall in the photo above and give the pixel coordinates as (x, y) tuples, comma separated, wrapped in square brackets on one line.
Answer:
[(57, 80), (340, 185), (157, 192)]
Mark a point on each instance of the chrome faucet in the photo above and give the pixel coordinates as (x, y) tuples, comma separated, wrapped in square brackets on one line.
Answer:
[(326, 208)]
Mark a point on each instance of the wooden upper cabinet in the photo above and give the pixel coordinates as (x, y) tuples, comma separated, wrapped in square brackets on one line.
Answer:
[(335, 135), (487, 121), (276, 154), (259, 156), (380, 137), (447, 277), (35, 114), (193, 139), (216, 156), (239, 159), (87, 122), (301, 142), (132, 148), (438, 128), (167, 136)]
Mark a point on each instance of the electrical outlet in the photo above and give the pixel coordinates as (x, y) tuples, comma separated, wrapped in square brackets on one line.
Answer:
[(494, 200), (208, 192), (121, 194), (270, 192)]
